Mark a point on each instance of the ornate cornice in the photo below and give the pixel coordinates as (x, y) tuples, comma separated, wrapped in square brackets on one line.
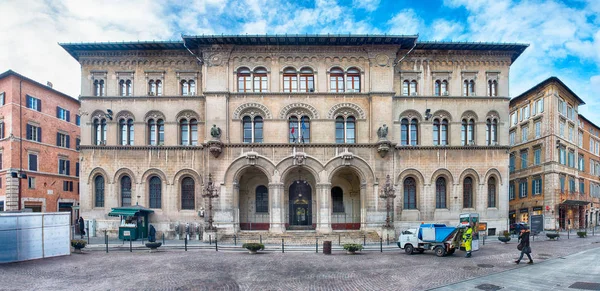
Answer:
[(147, 147), (112, 98), (299, 109), (346, 109), (252, 109)]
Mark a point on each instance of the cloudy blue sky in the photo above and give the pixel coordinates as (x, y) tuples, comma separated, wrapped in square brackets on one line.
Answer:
[(564, 36)]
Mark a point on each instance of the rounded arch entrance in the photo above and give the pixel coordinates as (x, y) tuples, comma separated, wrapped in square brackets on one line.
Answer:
[(346, 199), (254, 199), (300, 199)]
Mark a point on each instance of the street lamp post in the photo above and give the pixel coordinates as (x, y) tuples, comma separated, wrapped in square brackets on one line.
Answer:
[(210, 192), (387, 193)]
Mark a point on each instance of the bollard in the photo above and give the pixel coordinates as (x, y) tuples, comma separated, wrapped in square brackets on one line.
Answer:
[(533, 237), (364, 240), (130, 244), (339, 239), (260, 236), (388, 239), (209, 239), (163, 238), (381, 245), (317, 245), (216, 245), (484, 240), (234, 240), (282, 247), (568, 233), (185, 242), (106, 240), (88, 234)]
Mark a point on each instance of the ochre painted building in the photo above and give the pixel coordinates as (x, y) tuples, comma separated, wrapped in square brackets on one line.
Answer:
[(305, 130), (554, 159), (39, 133)]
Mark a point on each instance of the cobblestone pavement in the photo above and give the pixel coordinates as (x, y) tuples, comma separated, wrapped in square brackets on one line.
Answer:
[(175, 269)]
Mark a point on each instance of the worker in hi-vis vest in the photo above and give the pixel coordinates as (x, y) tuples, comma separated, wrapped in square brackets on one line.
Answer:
[(468, 239)]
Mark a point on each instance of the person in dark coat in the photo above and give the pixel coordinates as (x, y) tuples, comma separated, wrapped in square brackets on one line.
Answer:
[(524, 240), (151, 233), (81, 226)]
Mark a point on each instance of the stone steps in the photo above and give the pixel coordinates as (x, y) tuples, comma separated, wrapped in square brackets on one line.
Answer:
[(303, 237)]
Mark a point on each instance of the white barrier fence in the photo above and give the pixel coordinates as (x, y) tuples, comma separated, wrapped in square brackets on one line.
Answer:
[(28, 236)]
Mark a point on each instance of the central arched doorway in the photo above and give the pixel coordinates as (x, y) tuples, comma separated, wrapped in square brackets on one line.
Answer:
[(300, 204)]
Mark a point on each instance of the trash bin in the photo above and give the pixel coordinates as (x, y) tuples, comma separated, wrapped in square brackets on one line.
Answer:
[(327, 247)]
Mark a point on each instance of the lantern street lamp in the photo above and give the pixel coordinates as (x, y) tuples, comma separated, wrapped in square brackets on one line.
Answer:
[(210, 192), (387, 193)]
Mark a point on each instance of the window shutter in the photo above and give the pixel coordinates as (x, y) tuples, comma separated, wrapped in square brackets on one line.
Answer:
[(28, 136), (39, 129), (68, 116), (71, 186), (57, 112), (68, 168), (77, 169), (68, 141), (58, 138), (39, 105)]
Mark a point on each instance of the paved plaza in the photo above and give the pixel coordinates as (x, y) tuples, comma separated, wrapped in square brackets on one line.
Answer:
[(232, 269)]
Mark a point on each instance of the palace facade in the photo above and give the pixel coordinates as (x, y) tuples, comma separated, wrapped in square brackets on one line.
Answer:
[(297, 132)]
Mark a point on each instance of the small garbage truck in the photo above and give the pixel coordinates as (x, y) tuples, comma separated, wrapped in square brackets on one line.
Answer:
[(442, 239)]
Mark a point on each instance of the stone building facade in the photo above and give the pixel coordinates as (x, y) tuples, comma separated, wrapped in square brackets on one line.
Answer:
[(298, 132), (554, 159), (39, 157)]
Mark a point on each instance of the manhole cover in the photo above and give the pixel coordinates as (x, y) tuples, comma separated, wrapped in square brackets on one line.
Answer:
[(470, 268), (485, 266), (585, 286), (489, 287)]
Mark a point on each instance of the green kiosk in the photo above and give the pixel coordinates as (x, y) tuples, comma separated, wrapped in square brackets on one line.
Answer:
[(134, 221)]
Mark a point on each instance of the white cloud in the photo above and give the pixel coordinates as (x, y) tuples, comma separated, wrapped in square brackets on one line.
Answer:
[(368, 5), (442, 29), (405, 22)]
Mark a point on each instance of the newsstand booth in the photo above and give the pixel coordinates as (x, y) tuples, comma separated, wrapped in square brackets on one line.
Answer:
[(134, 221)]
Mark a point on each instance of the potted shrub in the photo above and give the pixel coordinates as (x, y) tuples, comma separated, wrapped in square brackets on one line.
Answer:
[(504, 237), (153, 246), (253, 247), (553, 235), (352, 248), (78, 244), (582, 234)]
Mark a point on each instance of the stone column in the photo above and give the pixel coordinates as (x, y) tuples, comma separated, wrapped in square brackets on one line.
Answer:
[(363, 206), (324, 208), (235, 206), (276, 213), (12, 193)]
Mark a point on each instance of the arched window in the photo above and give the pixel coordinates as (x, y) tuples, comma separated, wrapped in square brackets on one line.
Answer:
[(126, 131), (125, 191), (353, 80), (491, 135), (404, 132), (307, 80), (290, 80), (345, 129), (405, 86), (410, 193), (299, 129), (185, 89), (492, 88), (100, 131), (122, 88), (262, 199), (440, 132), (99, 191), (260, 80), (128, 88), (337, 199), (188, 193), (155, 87), (192, 86), (188, 130), (437, 89), (244, 80), (414, 132), (444, 88), (99, 89), (492, 192), (161, 131), (468, 193), (156, 132), (158, 88), (336, 80), (151, 132), (409, 88), (468, 88), (413, 88), (155, 192), (468, 132), (253, 129), (440, 193)]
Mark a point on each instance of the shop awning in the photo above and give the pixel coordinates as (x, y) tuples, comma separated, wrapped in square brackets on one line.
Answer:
[(128, 211), (575, 202)]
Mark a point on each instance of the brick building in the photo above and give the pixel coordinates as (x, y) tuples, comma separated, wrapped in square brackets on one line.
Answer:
[(298, 132), (39, 136), (552, 148)]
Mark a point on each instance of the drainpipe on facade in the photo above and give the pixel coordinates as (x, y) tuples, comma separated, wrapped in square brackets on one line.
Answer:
[(20, 144)]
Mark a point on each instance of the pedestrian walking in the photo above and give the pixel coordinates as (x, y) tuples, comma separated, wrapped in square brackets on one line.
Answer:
[(524, 246), (468, 239), (81, 226)]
